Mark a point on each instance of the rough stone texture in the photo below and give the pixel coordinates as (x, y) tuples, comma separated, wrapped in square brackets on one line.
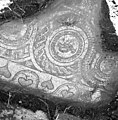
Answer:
[(108, 35), (21, 9)]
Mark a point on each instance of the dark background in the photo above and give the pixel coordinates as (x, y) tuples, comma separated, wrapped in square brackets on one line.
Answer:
[(108, 33), (22, 9)]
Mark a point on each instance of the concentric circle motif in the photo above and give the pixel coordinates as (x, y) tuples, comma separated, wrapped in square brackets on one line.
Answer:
[(15, 41), (65, 46), (59, 52)]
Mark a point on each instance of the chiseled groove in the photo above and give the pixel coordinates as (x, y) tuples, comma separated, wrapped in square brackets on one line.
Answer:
[(61, 66)]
